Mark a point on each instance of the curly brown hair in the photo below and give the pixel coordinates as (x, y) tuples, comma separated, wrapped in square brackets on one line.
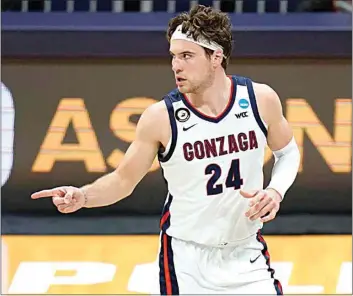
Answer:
[(211, 24)]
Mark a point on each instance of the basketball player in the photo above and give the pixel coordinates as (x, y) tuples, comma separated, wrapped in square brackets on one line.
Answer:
[(210, 135)]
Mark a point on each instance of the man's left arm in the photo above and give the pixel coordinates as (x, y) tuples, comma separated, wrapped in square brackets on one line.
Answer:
[(265, 204)]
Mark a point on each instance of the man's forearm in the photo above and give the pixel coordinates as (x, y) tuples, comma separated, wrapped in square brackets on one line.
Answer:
[(284, 172), (106, 190)]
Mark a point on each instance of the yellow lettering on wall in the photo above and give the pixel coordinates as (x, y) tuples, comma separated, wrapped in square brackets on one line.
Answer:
[(87, 149), (124, 129), (336, 149)]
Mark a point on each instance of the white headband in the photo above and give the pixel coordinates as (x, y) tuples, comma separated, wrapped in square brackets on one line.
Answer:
[(179, 35)]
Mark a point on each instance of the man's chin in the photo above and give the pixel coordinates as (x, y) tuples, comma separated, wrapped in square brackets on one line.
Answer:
[(183, 89)]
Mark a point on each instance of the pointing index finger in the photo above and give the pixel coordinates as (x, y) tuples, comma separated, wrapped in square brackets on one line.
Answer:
[(47, 193)]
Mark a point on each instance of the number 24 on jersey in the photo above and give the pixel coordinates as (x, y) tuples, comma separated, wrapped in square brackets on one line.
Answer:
[(233, 178)]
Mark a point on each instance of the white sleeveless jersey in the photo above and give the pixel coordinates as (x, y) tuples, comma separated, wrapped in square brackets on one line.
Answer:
[(206, 163)]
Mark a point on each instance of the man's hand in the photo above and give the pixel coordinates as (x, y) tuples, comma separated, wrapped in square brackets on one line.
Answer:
[(67, 199), (264, 204)]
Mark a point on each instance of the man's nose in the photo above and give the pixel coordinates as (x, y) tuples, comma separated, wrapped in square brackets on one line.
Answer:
[(176, 66)]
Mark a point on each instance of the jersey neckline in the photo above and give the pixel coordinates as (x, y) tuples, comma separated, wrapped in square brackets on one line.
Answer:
[(220, 116)]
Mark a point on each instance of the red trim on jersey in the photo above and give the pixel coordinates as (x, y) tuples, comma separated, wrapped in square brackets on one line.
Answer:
[(225, 109), (166, 265), (164, 218), (266, 254)]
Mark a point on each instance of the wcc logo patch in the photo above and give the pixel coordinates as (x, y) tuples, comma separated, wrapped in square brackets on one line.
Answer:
[(242, 115), (182, 114)]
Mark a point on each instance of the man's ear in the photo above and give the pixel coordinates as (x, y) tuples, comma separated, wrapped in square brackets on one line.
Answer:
[(217, 57)]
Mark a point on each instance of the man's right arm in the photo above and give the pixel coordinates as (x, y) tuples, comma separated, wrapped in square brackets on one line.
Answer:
[(136, 163)]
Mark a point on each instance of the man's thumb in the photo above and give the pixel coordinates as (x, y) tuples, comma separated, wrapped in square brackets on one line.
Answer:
[(68, 196)]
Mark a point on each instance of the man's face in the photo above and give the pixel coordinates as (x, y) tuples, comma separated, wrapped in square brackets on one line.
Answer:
[(192, 68)]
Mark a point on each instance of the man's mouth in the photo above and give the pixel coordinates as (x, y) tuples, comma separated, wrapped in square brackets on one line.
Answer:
[(180, 80)]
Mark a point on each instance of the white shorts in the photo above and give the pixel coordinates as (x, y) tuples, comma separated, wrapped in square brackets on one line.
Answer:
[(188, 268)]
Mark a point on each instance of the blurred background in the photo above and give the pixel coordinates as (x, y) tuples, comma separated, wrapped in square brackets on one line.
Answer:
[(76, 75)]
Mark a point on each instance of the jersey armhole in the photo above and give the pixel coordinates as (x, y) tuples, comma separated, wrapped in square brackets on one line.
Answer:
[(168, 152), (254, 108)]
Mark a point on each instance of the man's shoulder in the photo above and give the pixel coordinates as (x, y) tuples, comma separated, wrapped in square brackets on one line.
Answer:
[(263, 89), (268, 101), (160, 109), (243, 79), (265, 94), (153, 119), (155, 110)]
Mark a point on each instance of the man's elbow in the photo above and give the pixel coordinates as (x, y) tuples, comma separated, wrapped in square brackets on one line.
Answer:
[(125, 184)]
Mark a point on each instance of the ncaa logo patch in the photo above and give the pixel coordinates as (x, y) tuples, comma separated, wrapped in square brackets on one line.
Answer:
[(182, 114), (243, 103)]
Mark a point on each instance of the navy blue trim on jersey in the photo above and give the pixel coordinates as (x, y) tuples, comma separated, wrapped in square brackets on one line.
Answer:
[(241, 80), (225, 111), (168, 283), (266, 254), (173, 126), (165, 216), (175, 96), (254, 106)]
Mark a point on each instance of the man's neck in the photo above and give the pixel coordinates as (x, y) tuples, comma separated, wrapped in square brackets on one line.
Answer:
[(215, 97)]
